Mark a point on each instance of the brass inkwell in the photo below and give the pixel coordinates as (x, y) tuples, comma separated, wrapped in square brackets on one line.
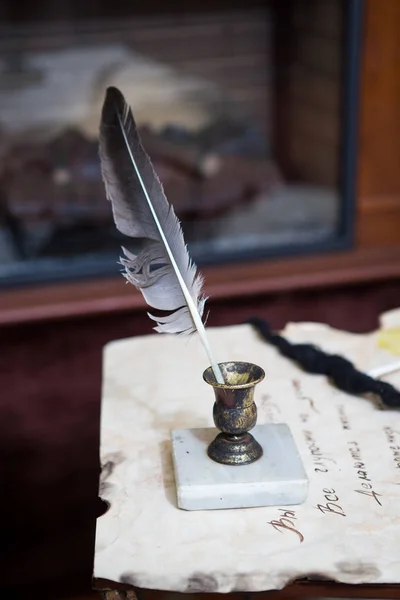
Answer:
[(235, 413)]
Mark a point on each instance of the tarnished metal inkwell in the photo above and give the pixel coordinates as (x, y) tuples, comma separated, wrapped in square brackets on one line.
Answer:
[(235, 413)]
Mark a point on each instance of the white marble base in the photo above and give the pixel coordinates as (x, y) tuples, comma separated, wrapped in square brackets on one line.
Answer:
[(278, 478)]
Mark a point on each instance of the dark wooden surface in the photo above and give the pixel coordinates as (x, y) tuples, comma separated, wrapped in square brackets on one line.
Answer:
[(301, 589), (295, 590)]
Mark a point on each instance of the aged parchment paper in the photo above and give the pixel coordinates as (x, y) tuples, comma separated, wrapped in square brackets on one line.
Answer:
[(349, 528)]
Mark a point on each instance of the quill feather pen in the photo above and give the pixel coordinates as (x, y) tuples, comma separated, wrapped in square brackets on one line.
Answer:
[(163, 270)]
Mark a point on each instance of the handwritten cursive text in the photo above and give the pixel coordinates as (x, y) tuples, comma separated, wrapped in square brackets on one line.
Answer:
[(286, 522)]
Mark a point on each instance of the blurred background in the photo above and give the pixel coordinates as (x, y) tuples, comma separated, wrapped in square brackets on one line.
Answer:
[(274, 129)]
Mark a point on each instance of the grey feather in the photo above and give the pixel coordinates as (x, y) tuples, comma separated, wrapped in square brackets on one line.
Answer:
[(163, 270)]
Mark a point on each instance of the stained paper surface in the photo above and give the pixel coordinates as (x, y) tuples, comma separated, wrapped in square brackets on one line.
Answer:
[(348, 529)]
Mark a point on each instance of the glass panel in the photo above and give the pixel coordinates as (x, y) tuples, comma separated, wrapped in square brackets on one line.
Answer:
[(240, 111)]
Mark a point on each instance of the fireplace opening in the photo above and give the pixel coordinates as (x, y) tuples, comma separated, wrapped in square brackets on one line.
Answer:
[(248, 113)]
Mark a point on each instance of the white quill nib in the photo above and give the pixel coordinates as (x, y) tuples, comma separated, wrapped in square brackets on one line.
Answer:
[(163, 270)]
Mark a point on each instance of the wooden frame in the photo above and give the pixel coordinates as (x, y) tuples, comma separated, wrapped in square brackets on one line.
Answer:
[(111, 295), (376, 255)]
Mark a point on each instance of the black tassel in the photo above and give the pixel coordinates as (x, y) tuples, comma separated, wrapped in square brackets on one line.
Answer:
[(339, 370)]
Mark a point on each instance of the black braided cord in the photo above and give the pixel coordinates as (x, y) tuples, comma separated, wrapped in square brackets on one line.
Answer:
[(339, 370)]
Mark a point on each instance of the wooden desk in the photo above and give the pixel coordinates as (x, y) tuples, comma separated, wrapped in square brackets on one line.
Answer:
[(300, 589)]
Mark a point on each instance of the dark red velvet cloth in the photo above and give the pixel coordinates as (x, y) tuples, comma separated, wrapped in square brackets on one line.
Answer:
[(50, 407)]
